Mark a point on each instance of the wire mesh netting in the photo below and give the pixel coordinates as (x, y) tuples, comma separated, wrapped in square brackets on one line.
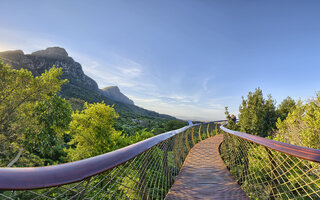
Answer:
[(264, 173), (149, 175)]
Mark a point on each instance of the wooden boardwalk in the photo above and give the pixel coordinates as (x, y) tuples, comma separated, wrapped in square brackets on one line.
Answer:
[(205, 176)]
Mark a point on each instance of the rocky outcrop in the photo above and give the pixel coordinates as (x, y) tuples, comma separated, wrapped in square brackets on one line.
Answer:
[(40, 61), (113, 92), (80, 86), (52, 52)]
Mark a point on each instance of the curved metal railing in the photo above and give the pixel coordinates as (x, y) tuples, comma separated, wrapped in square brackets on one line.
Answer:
[(145, 170), (268, 169)]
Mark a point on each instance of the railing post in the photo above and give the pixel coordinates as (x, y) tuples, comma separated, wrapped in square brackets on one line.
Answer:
[(192, 137), (244, 172), (187, 140), (216, 129), (181, 146), (200, 132), (226, 149), (176, 151), (274, 173), (208, 134), (165, 162)]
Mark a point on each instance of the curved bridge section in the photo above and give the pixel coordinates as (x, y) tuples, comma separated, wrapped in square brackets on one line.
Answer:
[(145, 170), (263, 168)]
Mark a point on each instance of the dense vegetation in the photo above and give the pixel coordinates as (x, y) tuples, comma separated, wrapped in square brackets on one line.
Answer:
[(291, 122), (40, 127)]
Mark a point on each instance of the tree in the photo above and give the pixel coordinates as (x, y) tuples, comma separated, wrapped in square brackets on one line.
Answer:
[(93, 133), (302, 125), (19, 93), (45, 137), (231, 120), (173, 125), (139, 136), (257, 115), (286, 106)]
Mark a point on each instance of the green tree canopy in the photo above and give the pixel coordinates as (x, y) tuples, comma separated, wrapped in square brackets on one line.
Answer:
[(93, 132), (231, 120), (257, 115), (19, 93), (302, 126), (52, 118), (173, 125), (286, 106)]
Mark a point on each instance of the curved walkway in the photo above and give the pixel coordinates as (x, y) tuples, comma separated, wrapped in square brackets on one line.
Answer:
[(205, 176)]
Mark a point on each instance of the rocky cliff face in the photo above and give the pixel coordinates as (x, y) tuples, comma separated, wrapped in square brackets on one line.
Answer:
[(40, 61), (114, 93), (80, 85)]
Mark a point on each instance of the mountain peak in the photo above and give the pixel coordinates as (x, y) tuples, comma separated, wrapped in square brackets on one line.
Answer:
[(113, 87), (56, 52), (113, 92)]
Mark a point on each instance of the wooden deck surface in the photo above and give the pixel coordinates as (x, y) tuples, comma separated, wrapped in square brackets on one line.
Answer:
[(205, 176)]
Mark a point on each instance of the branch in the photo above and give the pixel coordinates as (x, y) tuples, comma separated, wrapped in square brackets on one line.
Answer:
[(16, 158)]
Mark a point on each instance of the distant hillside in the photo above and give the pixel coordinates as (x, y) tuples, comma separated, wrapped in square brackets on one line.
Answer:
[(114, 93), (80, 85)]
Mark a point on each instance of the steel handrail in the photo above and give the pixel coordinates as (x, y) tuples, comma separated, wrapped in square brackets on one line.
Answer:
[(26, 178), (293, 150)]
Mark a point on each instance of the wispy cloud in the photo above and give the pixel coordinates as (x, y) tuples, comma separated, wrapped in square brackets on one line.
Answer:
[(24, 40), (185, 111), (132, 76), (205, 83), (137, 81), (113, 71)]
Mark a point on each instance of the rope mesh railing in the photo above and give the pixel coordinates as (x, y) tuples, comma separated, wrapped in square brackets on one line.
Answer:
[(148, 175), (265, 173)]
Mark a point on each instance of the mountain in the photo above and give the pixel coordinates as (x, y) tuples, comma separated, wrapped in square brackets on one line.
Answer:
[(39, 61), (80, 86), (114, 93)]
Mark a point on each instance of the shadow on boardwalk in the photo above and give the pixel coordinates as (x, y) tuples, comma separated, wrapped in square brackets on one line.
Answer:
[(205, 176)]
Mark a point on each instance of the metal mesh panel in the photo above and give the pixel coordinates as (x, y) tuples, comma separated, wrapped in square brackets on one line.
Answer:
[(264, 173), (147, 176)]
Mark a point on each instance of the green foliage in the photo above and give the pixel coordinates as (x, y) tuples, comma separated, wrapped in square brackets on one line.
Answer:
[(70, 90), (287, 105), (93, 132), (52, 118), (76, 104), (36, 122), (231, 120), (139, 136), (19, 93), (19, 87), (173, 125), (302, 126), (257, 115)]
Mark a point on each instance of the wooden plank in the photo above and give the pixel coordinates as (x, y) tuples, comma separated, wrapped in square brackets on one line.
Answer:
[(205, 176)]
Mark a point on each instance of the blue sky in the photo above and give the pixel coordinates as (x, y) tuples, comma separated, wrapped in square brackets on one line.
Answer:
[(187, 58)]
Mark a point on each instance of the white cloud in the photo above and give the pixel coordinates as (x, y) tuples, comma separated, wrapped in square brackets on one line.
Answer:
[(26, 41), (114, 70), (205, 83), (206, 111), (135, 80)]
